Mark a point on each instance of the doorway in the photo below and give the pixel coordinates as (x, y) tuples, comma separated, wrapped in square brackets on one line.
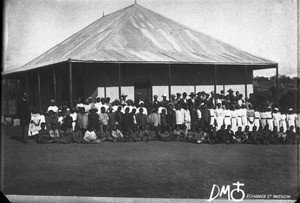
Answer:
[(144, 88)]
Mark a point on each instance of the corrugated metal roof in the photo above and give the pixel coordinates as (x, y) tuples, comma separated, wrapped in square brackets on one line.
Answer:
[(137, 34)]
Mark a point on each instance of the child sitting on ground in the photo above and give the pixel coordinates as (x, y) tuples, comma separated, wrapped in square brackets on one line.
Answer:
[(164, 134), (117, 134), (152, 133), (179, 134), (135, 134), (77, 135), (144, 134), (43, 136)]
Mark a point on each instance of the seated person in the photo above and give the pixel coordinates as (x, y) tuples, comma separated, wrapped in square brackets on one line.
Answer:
[(291, 136), (246, 139), (212, 134), (116, 134), (228, 135), (152, 133), (103, 134), (77, 135), (273, 138), (128, 135), (221, 135), (282, 138), (135, 134), (179, 134), (164, 134), (256, 137), (191, 135), (201, 136), (265, 133), (171, 133), (144, 134), (90, 136), (53, 132), (43, 136), (239, 134)]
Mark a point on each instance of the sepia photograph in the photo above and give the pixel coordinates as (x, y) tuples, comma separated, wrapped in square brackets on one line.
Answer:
[(150, 101)]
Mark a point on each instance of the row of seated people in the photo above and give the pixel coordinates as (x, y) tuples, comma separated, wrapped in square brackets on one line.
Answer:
[(64, 134)]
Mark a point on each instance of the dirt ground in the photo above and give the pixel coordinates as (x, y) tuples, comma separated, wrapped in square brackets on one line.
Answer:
[(153, 169)]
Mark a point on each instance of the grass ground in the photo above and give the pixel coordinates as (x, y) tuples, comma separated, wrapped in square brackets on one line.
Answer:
[(153, 169)]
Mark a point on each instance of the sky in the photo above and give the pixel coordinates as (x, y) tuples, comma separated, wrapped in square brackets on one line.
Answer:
[(266, 28)]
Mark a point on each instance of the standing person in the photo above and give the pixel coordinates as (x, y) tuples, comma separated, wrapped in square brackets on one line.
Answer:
[(34, 125), (219, 116), (171, 116), (164, 102), (187, 116), (291, 119), (205, 117), (155, 103), (93, 118), (234, 116), (172, 100), (103, 117), (250, 117), (276, 118), (141, 118), (192, 101), (256, 118), (23, 109), (282, 122), (227, 117), (263, 119), (119, 117), (52, 106), (154, 120), (179, 115), (127, 119), (269, 118), (111, 118)]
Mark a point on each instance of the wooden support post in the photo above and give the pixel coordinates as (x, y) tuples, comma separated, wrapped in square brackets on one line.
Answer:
[(215, 86), (27, 84), (39, 91), (70, 85), (119, 80), (276, 84), (54, 84), (105, 81), (169, 80), (246, 74)]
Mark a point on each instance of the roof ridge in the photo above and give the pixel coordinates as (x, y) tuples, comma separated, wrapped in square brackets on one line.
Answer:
[(121, 20)]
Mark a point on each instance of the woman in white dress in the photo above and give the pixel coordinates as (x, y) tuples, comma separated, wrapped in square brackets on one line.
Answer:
[(219, 116), (269, 118), (233, 119), (291, 118), (35, 123), (257, 119), (276, 118), (282, 122)]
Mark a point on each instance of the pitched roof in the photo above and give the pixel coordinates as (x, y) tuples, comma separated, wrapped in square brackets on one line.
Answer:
[(137, 34)]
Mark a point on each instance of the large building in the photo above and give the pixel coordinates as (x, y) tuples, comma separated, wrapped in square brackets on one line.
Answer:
[(136, 50)]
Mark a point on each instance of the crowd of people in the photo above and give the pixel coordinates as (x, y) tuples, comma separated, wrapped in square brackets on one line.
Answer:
[(197, 118)]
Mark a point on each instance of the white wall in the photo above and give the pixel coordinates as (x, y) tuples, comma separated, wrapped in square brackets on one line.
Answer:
[(160, 90), (129, 91)]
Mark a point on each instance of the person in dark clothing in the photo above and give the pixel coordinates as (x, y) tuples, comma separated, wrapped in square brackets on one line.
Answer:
[(220, 135), (119, 117), (127, 119), (171, 116), (205, 119), (93, 118), (23, 111), (229, 135), (291, 136), (141, 118)]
